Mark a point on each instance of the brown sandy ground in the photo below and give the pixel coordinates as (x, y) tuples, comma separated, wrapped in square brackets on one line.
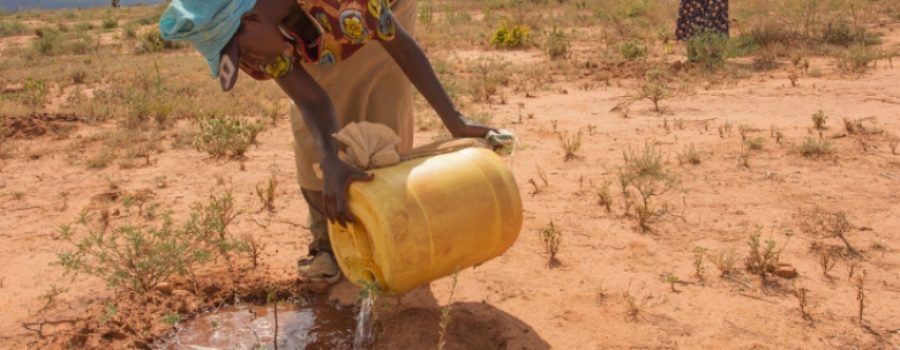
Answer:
[(613, 286)]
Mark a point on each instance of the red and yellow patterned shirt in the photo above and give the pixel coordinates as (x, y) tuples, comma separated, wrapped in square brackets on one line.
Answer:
[(343, 27)]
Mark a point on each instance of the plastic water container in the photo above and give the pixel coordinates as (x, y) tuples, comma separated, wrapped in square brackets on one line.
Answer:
[(426, 218)]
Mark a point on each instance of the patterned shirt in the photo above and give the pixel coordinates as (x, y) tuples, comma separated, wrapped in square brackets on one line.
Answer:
[(343, 27)]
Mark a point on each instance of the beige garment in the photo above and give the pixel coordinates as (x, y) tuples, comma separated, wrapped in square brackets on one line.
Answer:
[(368, 86), (368, 145)]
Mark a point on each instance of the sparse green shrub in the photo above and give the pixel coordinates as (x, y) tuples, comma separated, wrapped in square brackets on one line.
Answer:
[(151, 41), (814, 147), (755, 143), (843, 33), (655, 88), (79, 76), (511, 35), (34, 94), (644, 177), (82, 44), (226, 136), (12, 28), (709, 49), (110, 23), (138, 258), (48, 42), (557, 45), (858, 58), (633, 49), (761, 260)]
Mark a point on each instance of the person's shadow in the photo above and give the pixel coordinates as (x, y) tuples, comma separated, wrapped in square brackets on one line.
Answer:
[(413, 322)]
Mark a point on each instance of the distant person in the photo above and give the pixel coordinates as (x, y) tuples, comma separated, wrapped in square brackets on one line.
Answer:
[(701, 16), (339, 61)]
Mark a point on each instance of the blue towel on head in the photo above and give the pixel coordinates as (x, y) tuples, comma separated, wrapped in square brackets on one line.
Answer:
[(207, 24)]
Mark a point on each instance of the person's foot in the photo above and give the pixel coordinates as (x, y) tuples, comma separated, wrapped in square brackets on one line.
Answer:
[(321, 268)]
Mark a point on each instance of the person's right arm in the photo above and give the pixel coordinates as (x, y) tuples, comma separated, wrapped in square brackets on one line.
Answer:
[(320, 118)]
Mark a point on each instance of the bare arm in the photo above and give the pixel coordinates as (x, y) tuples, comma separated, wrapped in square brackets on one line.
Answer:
[(320, 118), (412, 60)]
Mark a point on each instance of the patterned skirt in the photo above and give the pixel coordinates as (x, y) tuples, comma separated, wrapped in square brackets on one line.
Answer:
[(698, 16)]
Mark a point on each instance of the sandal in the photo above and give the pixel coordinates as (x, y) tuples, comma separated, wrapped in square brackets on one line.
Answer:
[(320, 268)]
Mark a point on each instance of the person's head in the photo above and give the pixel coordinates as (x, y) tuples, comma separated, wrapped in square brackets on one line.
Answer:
[(225, 31)]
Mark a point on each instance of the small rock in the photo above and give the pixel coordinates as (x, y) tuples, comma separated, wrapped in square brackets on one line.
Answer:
[(165, 288), (786, 271)]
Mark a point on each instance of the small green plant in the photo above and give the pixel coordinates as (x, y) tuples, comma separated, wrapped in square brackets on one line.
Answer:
[(633, 49), (819, 119), (110, 313), (756, 143), (445, 313), (110, 23), (603, 197), (557, 45), (725, 261), (761, 260), (151, 41), (226, 136), (689, 156), (510, 36), (814, 147), (570, 144), (710, 49), (671, 280), (551, 238), (699, 255), (633, 306), (172, 318), (34, 94)]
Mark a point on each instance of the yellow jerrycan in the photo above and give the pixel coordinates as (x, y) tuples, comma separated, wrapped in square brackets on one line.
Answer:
[(426, 218)]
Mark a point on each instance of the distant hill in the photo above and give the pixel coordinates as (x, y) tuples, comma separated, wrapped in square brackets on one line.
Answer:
[(13, 5)]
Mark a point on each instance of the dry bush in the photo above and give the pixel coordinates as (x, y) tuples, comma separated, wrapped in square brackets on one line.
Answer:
[(551, 237), (814, 147), (689, 156), (725, 262), (862, 126), (266, 194), (570, 144), (821, 223)]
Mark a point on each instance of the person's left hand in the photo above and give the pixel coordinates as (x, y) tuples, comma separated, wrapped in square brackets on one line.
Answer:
[(469, 129)]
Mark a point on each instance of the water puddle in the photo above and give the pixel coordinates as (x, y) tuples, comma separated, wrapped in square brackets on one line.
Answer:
[(315, 324)]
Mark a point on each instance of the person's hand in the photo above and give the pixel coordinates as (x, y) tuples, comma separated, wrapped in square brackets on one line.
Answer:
[(338, 177), (469, 129)]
